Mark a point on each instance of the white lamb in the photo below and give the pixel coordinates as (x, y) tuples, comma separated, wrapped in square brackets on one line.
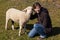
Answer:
[(18, 16)]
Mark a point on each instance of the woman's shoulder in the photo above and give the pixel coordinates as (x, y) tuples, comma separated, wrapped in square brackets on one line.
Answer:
[(44, 9)]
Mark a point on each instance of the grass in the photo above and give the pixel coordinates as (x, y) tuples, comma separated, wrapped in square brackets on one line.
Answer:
[(54, 13)]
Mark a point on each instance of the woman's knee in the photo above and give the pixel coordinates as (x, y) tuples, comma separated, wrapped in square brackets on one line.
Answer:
[(29, 35), (32, 33), (38, 26)]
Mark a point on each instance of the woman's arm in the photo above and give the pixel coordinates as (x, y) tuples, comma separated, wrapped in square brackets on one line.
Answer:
[(33, 16)]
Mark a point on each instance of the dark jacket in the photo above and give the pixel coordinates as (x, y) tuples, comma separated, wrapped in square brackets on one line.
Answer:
[(43, 18)]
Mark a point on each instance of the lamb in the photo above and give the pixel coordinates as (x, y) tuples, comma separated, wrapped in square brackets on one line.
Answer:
[(19, 16)]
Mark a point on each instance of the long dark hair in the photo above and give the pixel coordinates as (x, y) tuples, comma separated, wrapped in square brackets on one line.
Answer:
[(36, 4)]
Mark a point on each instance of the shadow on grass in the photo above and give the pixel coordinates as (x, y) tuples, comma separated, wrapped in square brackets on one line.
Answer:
[(29, 26), (56, 31)]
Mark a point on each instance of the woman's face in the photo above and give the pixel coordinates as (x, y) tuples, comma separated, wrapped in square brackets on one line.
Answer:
[(37, 9)]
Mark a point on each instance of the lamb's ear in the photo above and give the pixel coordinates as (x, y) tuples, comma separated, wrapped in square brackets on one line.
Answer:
[(25, 10)]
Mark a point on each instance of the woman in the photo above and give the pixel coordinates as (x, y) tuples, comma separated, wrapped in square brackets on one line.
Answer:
[(43, 26)]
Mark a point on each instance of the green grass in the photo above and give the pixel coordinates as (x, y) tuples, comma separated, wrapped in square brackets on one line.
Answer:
[(54, 13)]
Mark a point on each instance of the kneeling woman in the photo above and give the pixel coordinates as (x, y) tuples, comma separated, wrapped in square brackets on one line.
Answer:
[(43, 26)]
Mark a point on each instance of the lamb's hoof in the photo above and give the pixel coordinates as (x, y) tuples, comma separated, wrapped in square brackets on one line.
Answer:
[(19, 35), (5, 28), (13, 29)]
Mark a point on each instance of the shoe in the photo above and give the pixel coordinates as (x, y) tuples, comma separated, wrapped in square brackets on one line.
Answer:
[(42, 36)]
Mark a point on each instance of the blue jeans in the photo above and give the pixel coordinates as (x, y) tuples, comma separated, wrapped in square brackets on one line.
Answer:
[(37, 29)]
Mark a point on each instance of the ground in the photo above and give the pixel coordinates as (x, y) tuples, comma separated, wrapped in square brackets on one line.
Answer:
[(54, 12)]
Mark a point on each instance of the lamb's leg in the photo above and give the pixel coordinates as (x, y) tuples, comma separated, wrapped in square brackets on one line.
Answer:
[(6, 23), (12, 25), (20, 30), (25, 29)]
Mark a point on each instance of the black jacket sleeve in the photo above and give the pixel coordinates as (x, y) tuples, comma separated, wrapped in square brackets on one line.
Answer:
[(45, 20), (33, 16)]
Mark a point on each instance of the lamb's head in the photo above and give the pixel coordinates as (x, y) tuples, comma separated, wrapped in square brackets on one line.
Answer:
[(28, 10)]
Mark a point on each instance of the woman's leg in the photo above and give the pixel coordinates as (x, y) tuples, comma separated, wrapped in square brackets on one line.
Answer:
[(40, 29), (32, 33)]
